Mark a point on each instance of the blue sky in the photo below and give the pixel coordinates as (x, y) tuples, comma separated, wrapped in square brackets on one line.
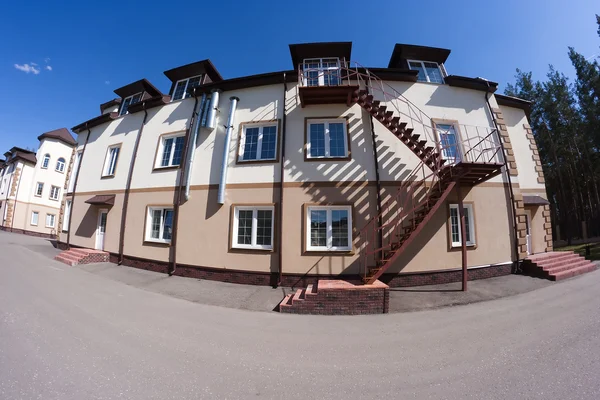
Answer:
[(93, 48)]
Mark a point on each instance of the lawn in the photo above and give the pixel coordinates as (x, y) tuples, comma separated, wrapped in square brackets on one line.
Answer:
[(580, 249)]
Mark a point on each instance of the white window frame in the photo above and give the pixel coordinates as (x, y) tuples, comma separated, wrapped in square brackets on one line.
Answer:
[(53, 220), (327, 138), (470, 227), (329, 246), (422, 62), (253, 245), (161, 149), (321, 70), (38, 189), (109, 163), (37, 218), (52, 187), (187, 82), (45, 161), (68, 205), (130, 98), (60, 165), (74, 172), (148, 234), (259, 145)]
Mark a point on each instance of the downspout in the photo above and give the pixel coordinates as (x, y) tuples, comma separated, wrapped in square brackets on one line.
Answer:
[(7, 197), (179, 189), (87, 138), (510, 188), (281, 171), (128, 185), (190, 161), (377, 184), (12, 220), (225, 163)]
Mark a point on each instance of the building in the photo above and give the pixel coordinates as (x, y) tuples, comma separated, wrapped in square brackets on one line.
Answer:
[(329, 169), (32, 184)]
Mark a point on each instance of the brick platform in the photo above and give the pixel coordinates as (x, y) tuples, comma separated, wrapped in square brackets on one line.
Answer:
[(557, 265), (82, 256), (335, 297)]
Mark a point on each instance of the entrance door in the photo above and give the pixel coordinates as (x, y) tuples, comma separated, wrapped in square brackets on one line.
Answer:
[(449, 143), (101, 229), (528, 231)]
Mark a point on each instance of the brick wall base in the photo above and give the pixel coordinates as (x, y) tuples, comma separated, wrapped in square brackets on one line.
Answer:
[(28, 233)]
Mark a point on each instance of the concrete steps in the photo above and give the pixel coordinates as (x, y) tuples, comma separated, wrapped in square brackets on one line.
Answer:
[(557, 265), (76, 256)]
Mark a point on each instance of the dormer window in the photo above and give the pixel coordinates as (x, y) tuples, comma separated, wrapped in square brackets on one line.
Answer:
[(428, 71), (321, 72), (129, 101), (182, 86)]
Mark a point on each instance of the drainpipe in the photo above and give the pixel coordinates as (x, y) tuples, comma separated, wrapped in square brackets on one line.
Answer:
[(12, 220), (186, 155), (7, 197), (510, 188), (190, 161), (128, 186), (281, 171), (87, 138), (225, 163), (377, 183)]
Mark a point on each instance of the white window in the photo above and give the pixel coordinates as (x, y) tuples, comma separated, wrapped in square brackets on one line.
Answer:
[(60, 165), (39, 189), (253, 227), (170, 150), (159, 224), (46, 161), (50, 219), (327, 139), (129, 101), (34, 218), (182, 87), (67, 214), (455, 234), (428, 71), (54, 192), (322, 72), (258, 142), (110, 161), (329, 228), (74, 172)]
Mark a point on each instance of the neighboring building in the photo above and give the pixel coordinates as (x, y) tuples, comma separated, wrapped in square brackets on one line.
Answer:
[(32, 184), (372, 181)]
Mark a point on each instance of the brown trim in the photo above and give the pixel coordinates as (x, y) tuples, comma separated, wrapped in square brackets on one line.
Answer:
[(353, 230), (325, 159), (242, 125), (158, 144), (449, 226), (146, 242), (110, 146), (232, 249)]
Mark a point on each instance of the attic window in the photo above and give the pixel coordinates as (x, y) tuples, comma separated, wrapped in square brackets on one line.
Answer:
[(182, 87), (322, 72), (428, 71), (129, 101)]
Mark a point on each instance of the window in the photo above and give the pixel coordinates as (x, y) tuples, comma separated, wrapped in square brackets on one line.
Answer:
[(329, 228), (110, 162), (46, 161), (129, 101), (182, 86), (159, 224), (455, 234), (253, 227), (34, 218), (54, 192), (60, 165), (258, 142), (322, 72), (428, 71), (74, 172), (170, 150), (449, 142), (39, 189), (67, 214), (327, 139), (50, 219)]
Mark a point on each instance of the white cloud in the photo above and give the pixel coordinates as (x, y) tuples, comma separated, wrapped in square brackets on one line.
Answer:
[(32, 63), (28, 68), (47, 60), (49, 67), (107, 82)]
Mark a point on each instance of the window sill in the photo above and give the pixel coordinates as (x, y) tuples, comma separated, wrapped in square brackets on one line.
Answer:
[(60, 172), (53, 199), (234, 249), (329, 252), (33, 224), (156, 243), (269, 161), (325, 159), (458, 247), (37, 195), (107, 176), (169, 168)]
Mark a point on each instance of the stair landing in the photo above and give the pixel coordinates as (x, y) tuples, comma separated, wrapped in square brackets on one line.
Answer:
[(557, 265), (77, 256)]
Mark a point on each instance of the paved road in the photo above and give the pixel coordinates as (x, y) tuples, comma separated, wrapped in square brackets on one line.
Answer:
[(69, 334)]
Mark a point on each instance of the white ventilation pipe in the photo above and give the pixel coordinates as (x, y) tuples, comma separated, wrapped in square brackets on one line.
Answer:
[(225, 163), (192, 148), (211, 119)]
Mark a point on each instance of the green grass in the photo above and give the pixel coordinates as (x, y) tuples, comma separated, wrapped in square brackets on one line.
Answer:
[(580, 249)]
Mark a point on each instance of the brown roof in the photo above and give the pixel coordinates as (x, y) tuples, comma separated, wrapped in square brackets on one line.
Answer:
[(471, 83), (99, 120), (21, 154), (515, 102), (102, 200), (136, 87), (149, 103), (110, 103), (194, 69), (244, 82), (535, 200), (61, 134), (301, 51), (403, 52)]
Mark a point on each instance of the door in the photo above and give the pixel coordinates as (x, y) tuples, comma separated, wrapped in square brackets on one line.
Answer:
[(528, 231), (101, 229), (449, 143)]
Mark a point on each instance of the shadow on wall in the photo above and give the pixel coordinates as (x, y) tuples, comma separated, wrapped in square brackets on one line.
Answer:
[(88, 225)]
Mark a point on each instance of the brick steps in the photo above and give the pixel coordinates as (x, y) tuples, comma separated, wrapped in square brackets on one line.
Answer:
[(557, 266), (75, 256)]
